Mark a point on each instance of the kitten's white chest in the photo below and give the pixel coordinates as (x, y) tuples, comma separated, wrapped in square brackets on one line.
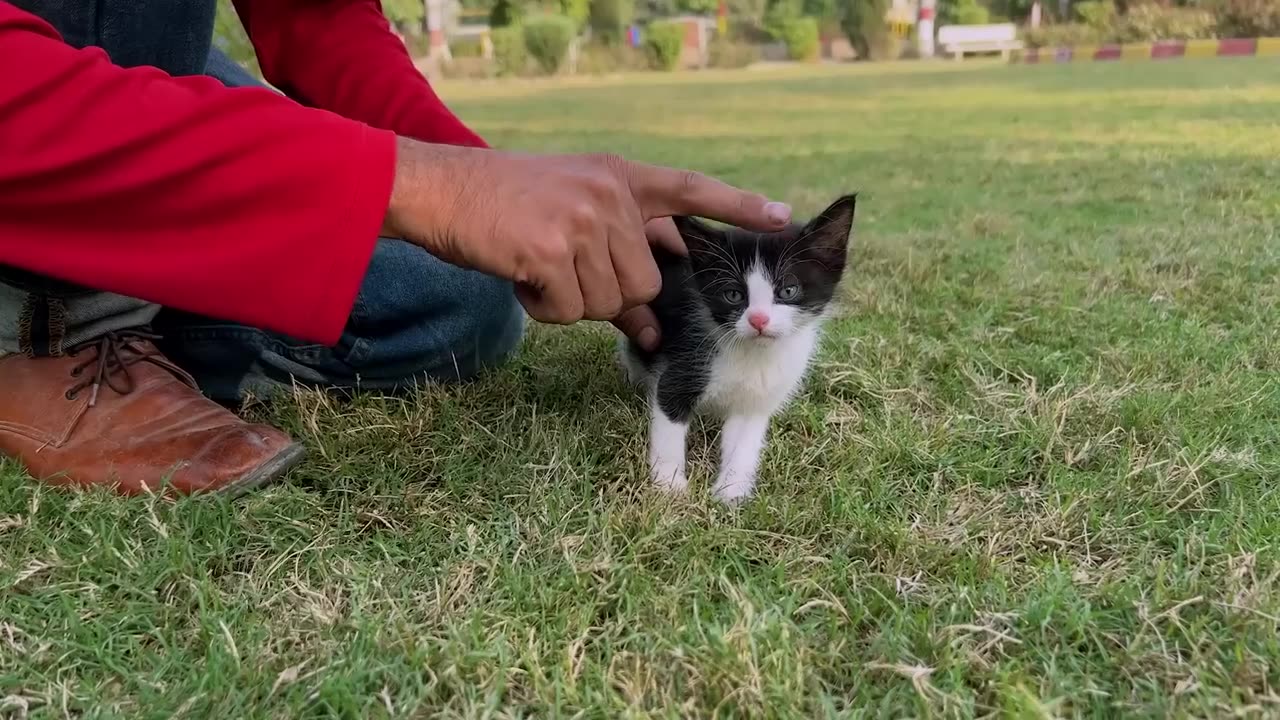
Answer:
[(756, 378)]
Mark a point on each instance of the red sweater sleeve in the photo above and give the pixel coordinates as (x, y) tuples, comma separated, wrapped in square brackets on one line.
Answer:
[(341, 55), (238, 204)]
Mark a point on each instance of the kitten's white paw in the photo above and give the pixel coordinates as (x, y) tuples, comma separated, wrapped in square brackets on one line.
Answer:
[(733, 490), (673, 483), (668, 475)]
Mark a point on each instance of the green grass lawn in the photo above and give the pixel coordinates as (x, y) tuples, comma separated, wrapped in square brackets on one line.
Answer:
[(1032, 475)]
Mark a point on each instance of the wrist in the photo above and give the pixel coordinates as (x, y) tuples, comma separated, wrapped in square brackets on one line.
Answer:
[(402, 188), (425, 190)]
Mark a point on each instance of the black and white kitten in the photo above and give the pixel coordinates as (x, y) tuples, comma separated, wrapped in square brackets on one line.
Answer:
[(740, 319)]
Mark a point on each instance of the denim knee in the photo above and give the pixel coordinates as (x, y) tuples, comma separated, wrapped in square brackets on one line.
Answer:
[(417, 316)]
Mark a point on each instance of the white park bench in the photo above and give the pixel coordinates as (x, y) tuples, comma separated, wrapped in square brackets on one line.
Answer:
[(960, 39)]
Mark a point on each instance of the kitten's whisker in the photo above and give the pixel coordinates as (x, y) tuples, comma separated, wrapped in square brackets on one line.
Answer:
[(723, 253), (795, 245), (722, 277), (719, 337), (813, 261), (713, 337), (718, 284), (709, 247), (727, 338), (787, 251)]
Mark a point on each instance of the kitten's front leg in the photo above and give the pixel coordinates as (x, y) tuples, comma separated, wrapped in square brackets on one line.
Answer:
[(667, 438), (742, 442), (672, 402)]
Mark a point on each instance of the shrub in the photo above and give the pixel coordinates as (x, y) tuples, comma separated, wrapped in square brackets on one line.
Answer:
[(747, 30), (403, 13), (969, 12), (600, 59), (610, 19), (466, 47), (779, 14), (1248, 18), (863, 23), (801, 38), (823, 10), (547, 39), (418, 45), (1142, 23), (576, 10), (1064, 35), (1097, 14), (468, 68), (731, 55), (509, 53), (506, 13), (1147, 23), (664, 42)]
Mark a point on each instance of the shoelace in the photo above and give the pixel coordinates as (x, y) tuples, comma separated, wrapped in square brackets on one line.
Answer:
[(113, 353)]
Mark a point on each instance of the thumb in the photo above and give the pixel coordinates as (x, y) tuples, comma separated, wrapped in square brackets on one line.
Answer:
[(662, 191)]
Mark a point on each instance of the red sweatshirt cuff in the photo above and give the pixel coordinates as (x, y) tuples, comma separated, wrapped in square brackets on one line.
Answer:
[(350, 248)]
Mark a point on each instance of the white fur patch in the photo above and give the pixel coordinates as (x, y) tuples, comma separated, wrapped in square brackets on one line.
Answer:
[(758, 376), (667, 451), (760, 301), (742, 442)]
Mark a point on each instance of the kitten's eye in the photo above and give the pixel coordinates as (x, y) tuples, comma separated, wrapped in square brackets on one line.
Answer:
[(733, 297), (790, 292)]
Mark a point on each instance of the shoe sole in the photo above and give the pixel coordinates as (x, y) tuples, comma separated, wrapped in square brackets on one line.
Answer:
[(267, 472)]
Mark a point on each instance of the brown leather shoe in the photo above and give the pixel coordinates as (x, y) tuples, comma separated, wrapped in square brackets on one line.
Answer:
[(116, 412)]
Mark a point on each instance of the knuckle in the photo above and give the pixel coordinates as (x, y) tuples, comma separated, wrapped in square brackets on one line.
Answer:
[(611, 308), (537, 312), (561, 315), (583, 215), (553, 248), (603, 188), (651, 290), (610, 177), (690, 181), (644, 289), (604, 312), (612, 161)]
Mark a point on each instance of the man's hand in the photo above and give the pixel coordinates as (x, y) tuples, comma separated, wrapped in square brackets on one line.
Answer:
[(569, 230), (639, 323)]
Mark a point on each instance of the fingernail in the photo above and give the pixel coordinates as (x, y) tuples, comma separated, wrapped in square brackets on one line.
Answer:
[(777, 212), (648, 338)]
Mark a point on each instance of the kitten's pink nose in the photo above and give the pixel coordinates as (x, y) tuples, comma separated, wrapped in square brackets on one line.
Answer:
[(758, 320)]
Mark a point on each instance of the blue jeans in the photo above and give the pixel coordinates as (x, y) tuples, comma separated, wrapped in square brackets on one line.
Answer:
[(415, 317)]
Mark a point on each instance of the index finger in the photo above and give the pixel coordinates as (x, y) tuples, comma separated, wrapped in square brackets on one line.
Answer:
[(662, 191)]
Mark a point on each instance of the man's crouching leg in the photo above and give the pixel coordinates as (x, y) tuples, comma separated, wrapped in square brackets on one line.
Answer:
[(415, 319)]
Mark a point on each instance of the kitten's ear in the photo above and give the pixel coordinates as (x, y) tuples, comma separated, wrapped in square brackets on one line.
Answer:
[(697, 235), (828, 233)]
